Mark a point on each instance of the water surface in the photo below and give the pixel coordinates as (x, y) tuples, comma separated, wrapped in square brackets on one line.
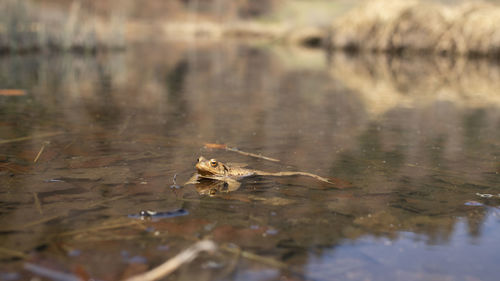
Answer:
[(413, 144)]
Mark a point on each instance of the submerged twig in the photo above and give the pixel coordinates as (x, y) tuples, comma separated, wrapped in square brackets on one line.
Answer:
[(215, 202), (106, 226), (174, 181), (65, 213), (9, 167), (107, 200), (45, 219), (172, 264), (12, 253), (50, 273), (69, 144), (234, 149), (38, 204), (233, 263), (41, 150), (45, 135), (255, 257)]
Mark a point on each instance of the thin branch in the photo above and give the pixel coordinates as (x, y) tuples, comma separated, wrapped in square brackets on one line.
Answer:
[(234, 149), (41, 150), (46, 135)]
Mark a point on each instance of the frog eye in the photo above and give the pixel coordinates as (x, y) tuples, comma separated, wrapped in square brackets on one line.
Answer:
[(213, 163)]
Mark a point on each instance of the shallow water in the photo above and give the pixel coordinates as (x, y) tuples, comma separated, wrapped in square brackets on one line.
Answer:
[(411, 143)]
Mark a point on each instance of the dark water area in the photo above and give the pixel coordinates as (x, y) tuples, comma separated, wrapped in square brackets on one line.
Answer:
[(412, 143)]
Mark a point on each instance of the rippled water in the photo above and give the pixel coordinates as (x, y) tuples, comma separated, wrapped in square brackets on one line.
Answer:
[(412, 144)]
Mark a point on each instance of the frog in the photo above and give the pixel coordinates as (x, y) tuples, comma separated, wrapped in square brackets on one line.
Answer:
[(230, 174)]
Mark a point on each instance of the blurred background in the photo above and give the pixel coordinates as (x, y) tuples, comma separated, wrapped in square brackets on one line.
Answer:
[(382, 25), (28, 25)]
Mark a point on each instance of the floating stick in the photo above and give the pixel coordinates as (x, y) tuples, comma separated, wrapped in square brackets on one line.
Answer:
[(234, 149), (172, 264)]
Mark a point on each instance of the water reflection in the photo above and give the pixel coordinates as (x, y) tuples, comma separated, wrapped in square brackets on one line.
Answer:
[(416, 138), (373, 258)]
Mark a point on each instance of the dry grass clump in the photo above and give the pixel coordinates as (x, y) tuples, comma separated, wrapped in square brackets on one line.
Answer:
[(25, 27), (475, 30), (416, 26), (412, 80)]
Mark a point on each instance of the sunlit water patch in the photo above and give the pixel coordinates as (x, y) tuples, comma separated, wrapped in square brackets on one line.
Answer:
[(413, 257)]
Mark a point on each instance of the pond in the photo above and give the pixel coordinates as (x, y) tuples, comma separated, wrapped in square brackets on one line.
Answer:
[(411, 144)]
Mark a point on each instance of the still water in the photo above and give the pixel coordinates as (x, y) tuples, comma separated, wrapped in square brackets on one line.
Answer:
[(413, 145)]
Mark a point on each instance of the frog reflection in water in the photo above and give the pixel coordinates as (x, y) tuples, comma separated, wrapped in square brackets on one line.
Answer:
[(228, 175)]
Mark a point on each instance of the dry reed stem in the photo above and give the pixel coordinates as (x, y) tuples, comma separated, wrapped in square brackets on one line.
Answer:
[(43, 220), (41, 151), (112, 224), (174, 263), (234, 149), (38, 136)]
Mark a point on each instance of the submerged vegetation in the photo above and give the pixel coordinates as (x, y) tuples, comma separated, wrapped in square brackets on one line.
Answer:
[(24, 27)]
